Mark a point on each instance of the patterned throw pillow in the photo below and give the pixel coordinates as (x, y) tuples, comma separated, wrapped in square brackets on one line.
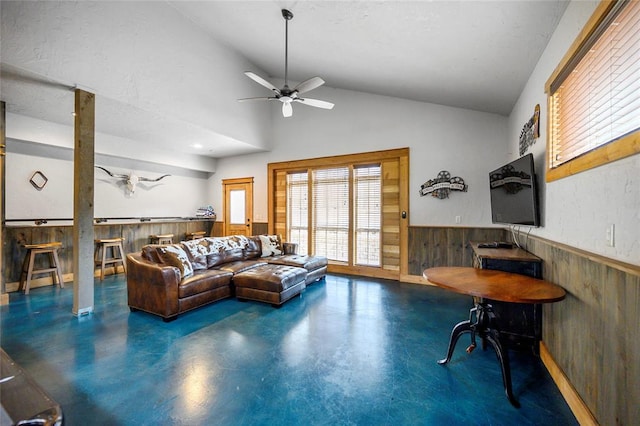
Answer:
[(200, 247), (174, 255), (228, 243), (198, 251), (270, 245)]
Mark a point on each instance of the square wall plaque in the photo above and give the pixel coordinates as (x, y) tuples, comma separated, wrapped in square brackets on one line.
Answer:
[(38, 180)]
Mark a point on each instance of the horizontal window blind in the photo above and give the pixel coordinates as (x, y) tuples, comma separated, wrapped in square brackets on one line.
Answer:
[(331, 213), (368, 216), (595, 100)]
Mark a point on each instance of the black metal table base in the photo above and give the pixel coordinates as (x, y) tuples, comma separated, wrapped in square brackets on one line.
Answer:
[(484, 326)]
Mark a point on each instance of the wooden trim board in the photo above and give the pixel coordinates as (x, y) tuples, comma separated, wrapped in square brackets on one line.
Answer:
[(575, 402)]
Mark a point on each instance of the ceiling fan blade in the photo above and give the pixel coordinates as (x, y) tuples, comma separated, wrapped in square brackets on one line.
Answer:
[(273, 98), (262, 81), (315, 103), (287, 109), (308, 85)]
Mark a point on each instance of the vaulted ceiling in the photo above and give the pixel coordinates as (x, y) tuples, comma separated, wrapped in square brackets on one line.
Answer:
[(468, 54), (472, 54)]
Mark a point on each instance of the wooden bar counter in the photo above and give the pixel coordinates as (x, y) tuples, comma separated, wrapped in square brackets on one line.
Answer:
[(135, 231)]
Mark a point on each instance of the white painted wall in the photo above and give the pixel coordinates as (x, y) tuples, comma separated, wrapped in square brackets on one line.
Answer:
[(578, 210), (172, 196), (176, 195), (466, 143), (55, 200)]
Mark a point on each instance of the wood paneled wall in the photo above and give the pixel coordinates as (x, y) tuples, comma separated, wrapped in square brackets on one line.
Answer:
[(591, 335), (136, 235), (391, 214), (446, 246)]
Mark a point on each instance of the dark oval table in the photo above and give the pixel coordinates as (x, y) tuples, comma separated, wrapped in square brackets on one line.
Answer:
[(495, 285)]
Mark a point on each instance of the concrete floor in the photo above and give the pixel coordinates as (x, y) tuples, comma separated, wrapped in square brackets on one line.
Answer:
[(350, 351)]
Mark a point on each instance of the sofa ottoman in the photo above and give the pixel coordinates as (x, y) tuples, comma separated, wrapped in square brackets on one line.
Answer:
[(273, 284), (316, 266)]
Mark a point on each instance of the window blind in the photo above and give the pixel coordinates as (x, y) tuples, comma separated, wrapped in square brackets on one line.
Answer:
[(331, 213), (345, 213), (595, 100), (367, 215)]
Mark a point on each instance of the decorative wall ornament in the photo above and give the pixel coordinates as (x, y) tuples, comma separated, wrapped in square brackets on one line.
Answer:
[(531, 131), (442, 185), (38, 180), (131, 180)]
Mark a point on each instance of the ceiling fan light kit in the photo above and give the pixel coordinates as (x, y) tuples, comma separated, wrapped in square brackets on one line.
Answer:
[(286, 95)]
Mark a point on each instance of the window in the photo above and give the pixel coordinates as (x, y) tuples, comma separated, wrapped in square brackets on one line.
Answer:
[(368, 203), (347, 207), (331, 213), (594, 96), (298, 210)]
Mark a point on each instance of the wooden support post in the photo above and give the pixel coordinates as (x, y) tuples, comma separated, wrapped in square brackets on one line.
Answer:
[(83, 182), (4, 297)]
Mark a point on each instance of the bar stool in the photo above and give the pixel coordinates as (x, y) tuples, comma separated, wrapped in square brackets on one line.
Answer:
[(29, 261), (195, 235), (117, 254), (161, 239)]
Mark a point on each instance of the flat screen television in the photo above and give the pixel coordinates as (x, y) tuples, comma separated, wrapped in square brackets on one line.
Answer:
[(514, 193)]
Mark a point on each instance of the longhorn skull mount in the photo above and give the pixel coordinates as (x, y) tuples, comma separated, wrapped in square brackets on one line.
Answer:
[(131, 180)]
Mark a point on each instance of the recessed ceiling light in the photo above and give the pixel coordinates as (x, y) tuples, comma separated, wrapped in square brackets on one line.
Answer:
[(196, 145)]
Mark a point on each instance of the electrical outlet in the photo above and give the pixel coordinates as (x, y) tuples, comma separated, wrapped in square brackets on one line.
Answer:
[(611, 235), (458, 219)]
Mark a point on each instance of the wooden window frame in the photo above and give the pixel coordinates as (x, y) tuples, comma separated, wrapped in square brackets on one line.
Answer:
[(395, 192), (615, 150)]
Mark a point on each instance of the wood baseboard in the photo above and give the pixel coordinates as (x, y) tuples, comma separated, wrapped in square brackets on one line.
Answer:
[(45, 281), (37, 282), (575, 402), (414, 279)]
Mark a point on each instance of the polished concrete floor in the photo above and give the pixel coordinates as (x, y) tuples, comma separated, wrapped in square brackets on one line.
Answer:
[(350, 351)]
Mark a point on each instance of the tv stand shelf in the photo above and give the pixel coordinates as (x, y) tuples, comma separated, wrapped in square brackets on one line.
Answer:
[(521, 323)]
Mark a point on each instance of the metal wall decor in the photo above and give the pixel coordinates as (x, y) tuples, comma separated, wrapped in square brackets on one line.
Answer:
[(38, 180), (442, 185), (531, 131)]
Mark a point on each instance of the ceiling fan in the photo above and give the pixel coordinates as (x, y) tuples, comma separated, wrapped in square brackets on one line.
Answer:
[(286, 95)]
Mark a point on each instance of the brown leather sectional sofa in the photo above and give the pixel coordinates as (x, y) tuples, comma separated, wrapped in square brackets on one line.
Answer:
[(167, 280)]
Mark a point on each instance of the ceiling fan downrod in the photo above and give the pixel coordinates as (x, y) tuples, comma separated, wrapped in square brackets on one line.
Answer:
[(287, 95), (287, 15)]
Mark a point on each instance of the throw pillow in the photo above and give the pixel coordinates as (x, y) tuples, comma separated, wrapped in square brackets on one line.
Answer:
[(270, 245), (174, 255), (197, 250)]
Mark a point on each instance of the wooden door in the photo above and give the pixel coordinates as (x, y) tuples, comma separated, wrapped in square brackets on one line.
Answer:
[(238, 206)]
